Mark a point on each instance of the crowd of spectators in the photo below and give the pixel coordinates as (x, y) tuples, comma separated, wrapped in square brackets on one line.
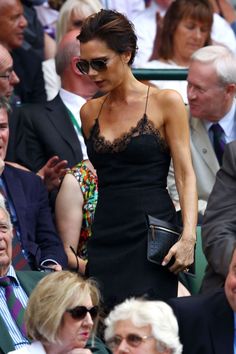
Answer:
[(68, 95)]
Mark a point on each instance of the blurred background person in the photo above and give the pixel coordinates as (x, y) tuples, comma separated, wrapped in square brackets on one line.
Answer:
[(74, 212), (61, 315), (186, 27), (71, 16), (140, 326)]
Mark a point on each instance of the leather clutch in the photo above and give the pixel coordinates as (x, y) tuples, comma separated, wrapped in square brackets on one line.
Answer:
[(162, 235)]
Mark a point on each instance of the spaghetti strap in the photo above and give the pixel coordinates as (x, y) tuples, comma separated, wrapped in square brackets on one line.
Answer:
[(146, 100), (102, 106)]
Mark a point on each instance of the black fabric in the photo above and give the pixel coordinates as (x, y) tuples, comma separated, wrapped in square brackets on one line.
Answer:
[(132, 176)]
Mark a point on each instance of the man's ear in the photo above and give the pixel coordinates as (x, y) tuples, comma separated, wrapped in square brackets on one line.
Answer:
[(74, 61)]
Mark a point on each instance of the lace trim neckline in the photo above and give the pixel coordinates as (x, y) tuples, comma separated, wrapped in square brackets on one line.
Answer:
[(143, 126)]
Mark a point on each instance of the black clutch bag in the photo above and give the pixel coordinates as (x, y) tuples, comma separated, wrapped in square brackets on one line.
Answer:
[(162, 235)]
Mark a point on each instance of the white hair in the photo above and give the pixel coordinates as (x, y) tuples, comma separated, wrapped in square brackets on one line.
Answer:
[(4, 209), (157, 314), (222, 59)]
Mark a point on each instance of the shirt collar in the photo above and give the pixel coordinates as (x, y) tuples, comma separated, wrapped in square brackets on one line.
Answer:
[(72, 101), (11, 273), (226, 122)]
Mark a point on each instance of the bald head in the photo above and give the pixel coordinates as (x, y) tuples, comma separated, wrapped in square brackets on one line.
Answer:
[(8, 78), (12, 23), (68, 48)]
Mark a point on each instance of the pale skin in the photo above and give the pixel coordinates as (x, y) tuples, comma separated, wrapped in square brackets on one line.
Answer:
[(69, 216), (122, 110)]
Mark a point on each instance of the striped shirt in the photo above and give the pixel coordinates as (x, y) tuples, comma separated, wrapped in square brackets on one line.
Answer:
[(18, 339)]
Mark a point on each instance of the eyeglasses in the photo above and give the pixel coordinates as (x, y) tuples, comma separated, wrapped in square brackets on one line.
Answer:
[(7, 76), (96, 64), (134, 340), (79, 312)]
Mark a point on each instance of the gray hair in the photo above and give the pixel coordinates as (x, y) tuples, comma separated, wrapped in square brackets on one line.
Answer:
[(64, 55), (4, 104), (83, 7), (223, 60), (157, 314)]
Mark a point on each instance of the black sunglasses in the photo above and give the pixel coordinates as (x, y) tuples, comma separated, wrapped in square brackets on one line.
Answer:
[(79, 312), (134, 340), (96, 64)]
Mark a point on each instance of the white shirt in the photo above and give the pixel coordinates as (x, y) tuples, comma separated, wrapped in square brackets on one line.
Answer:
[(74, 103), (34, 348), (51, 79), (178, 85), (145, 28), (222, 33), (227, 123), (128, 7)]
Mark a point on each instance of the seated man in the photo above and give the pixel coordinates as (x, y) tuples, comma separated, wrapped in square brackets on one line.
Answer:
[(211, 94), (17, 286), (27, 201), (219, 222), (207, 322)]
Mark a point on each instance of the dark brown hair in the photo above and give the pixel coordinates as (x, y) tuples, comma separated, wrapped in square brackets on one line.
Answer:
[(113, 28), (200, 10)]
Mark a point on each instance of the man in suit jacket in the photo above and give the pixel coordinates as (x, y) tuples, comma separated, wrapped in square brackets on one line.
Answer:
[(54, 128), (23, 283), (28, 202), (206, 322), (211, 91), (27, 64), (219, 222)]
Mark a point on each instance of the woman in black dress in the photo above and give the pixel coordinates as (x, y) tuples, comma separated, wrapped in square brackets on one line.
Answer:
[(132, 132)]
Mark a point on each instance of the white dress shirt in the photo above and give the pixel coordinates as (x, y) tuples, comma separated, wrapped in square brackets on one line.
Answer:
[(227, 123), (34, 348), (74, 103)]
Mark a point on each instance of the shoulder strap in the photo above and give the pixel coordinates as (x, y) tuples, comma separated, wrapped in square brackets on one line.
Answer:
[(102, 106), (146, 100)]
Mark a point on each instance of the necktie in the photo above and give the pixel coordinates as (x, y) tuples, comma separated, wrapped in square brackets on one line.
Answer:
[(218, 141), (15, 306), (19, 262)]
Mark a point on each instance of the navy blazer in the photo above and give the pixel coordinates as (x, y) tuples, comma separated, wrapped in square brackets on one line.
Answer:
[(30, 199), (48, 131), (206, 323)]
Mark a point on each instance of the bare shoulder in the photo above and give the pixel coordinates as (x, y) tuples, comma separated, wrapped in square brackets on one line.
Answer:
[(89, 112), (169, 96)]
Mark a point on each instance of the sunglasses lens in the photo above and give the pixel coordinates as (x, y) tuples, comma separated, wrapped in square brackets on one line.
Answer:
[(83, 66), (98, 65), (93, 312), (134, 340), (114, 342), (79, 312)]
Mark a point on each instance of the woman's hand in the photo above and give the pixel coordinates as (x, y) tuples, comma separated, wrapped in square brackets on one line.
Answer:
[(183, 252)]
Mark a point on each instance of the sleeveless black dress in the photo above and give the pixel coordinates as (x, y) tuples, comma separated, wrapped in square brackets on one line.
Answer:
[(132, 177)]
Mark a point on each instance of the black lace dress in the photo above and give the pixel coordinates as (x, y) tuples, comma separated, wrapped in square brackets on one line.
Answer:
[(132, 174)]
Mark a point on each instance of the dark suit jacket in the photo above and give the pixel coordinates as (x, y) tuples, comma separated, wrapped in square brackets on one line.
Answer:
[(219, 222), (48, 131), (30, 199), (28, 67), (206, 323), (28, 281)]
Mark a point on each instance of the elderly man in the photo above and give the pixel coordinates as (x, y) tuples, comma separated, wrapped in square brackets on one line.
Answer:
[(16, 286), (12, 333), (207, 322), (211, 95), (26, 63), (54, 128), (36, 241)]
